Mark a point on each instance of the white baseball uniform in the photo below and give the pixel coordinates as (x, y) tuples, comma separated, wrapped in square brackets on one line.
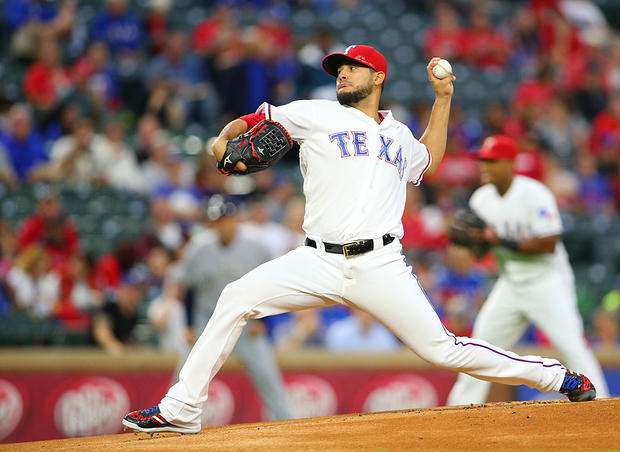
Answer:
[(537, 288), (355, 174)]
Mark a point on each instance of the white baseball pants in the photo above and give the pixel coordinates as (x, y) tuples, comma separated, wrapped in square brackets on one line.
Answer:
[(378, 282), (551, 305)]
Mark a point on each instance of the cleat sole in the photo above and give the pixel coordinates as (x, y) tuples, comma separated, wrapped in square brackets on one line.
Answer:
[(168, 428)]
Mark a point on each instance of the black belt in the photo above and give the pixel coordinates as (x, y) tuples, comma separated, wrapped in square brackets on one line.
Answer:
[(353, 248)]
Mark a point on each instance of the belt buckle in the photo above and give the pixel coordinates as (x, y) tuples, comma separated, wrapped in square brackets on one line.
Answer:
[(352, 245)]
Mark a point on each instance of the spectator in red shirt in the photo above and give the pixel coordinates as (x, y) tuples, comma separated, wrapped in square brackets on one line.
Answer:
[(482, 44), (459, 169), (96, 79), (423, 225), (48, 227), (533, 95), (216, 33), (562, 47), (47, 81), (157, 24), (558, 37), (445, 36), (78, 297), (530, 161)]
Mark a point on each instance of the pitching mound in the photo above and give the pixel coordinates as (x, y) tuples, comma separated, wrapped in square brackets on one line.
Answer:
[(552, 425)]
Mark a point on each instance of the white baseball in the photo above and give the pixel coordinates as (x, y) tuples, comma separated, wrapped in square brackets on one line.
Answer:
[(442, 69)]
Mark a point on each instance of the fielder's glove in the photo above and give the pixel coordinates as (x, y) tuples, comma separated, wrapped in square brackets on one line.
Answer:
[(258, 148), (466, 229)]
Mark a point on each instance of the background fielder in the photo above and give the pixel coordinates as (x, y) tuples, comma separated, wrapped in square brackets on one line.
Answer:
[(536, 282), (211, 261)]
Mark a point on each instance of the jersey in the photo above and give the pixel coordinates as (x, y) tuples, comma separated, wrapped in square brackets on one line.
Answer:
[(355, 170), (209, 266), (527, 210)]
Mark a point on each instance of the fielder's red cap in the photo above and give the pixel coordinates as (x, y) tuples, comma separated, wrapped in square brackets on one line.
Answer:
[(361, 54), (498, 147)]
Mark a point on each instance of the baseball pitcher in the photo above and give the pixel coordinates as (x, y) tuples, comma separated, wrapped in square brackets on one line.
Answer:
[(356, 162)]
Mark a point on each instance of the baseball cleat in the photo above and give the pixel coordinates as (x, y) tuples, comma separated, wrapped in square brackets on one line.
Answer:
[(577, 387), (151, 421)]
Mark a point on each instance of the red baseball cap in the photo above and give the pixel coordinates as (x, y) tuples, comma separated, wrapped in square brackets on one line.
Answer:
[(361, 54), (498, 147)]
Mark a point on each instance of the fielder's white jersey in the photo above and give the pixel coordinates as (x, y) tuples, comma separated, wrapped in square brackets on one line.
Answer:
[(355, 170), (527, 210)]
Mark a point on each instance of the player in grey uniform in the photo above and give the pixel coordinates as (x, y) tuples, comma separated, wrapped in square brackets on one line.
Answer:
[(208, 267)]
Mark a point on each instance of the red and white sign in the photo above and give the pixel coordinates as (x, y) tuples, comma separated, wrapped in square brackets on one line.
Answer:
[(220, 406), (77, 404), (91, 406), (311, 396), (401, 392), (11, 408)]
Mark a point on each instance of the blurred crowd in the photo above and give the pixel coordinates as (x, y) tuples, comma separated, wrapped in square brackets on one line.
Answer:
[(103, 102)]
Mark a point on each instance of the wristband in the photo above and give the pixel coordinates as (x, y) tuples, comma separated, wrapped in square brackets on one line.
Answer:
[(510, 244)]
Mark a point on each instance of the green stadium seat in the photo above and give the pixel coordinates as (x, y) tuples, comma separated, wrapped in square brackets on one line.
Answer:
[(578, 239), (86, 224)]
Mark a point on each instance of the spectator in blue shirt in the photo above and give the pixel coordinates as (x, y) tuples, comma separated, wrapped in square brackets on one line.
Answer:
[(461, 287), (360, 332), (21, 12), (24, 147), (595, 192), (118, 27), (177, 84), (30, 20)]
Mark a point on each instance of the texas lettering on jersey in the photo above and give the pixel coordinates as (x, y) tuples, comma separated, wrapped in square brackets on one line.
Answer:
[(353, 143), (355, 170), (513, 230)]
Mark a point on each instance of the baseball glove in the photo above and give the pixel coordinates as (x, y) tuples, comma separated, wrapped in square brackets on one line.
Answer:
[(466, 229), (258, 148)]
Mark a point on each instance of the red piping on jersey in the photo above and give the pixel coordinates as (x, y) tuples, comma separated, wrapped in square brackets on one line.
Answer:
[(425, 168), (252, 119)]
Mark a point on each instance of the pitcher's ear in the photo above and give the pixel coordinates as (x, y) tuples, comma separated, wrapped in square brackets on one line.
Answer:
[(379, 78)]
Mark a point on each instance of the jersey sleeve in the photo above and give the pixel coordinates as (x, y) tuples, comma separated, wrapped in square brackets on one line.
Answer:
[(545, 216), (475, 201), (420, 161), (296, 117)]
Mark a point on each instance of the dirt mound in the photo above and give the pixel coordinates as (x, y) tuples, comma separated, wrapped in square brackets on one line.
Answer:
[(551, 425)]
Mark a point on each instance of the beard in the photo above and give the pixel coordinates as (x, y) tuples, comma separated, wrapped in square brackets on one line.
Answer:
[(353, 97)]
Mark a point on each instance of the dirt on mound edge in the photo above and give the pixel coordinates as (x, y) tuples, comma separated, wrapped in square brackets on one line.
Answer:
[(546, 425)]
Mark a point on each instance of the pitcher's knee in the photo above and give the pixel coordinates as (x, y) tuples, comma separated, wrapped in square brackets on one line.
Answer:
[(442, 353), (235, 297)]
